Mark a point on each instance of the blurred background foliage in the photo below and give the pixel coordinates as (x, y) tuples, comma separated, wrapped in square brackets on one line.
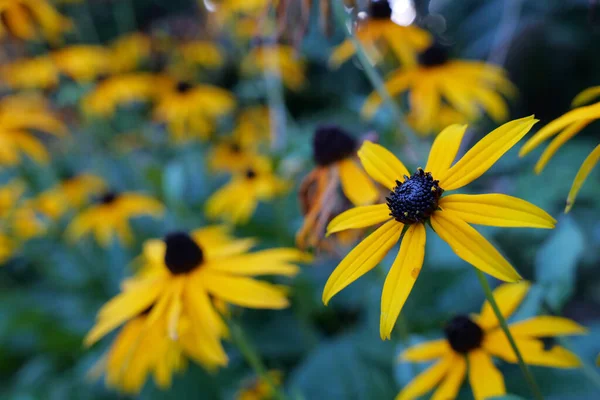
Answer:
[(51, 290)]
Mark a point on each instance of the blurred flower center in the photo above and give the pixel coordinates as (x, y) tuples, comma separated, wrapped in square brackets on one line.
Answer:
[(250, 173), (235, 148), (183, 86), (331, 144), (183, 255), (436, 54), (415, 199), (380, 9), (108, 198), (463, 334)]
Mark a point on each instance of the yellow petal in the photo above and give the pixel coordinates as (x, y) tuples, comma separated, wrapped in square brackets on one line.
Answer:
[(341, 54), (496, 210), (245, 292), (381, 164), (356, 185), (265, 262), (397, 83), (402, 277), (583, 113), (426, 351), (491, 102), (469, 245), (544, 326), (444, 150), (450, 386), (427, 380), (359, 217), (364, 257), (485, 153), (586, 96), (485, 379), (557, 142), (508, 296), (197, 301), (585, 169)]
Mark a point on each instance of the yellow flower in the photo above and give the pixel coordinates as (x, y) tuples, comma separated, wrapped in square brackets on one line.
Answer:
[(404, 41), (237, 200), (83, 63), (563, 129), (260, 389), (466, 86), (446, 116), (201, 52), (10, 194), (7, 248), (253, 126), (191, 111), (230, 156), (471, 342), (278, 60), (21, 18), (128, 51), (110, 217), (114, 91), (178, 278), (26, 223), (31, 73), (417, 199), (18, 114), (334, 152)]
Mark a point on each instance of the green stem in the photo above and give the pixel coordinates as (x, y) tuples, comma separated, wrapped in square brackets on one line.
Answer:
[(524, 368), (253, 358)]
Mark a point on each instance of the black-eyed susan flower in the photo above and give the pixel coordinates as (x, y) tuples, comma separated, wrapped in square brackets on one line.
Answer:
[(178, 277), (417, 199), (379, 29), (128, 51), (7, 248), (83, 63), (22, 18), (31, 73), (10, 194), (18, 115), (563, 129), (229, 155), (237, 200), (260, 388), (469, 87), (471, 341), (253, 126), (277, 60), (191, 111), (110, 215), (334, 152), (204, 53)]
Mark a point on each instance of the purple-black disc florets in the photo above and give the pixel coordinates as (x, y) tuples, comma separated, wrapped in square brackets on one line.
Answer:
[(434, 55), (415, 199), (182, 254), (463, 334), (108, 198)]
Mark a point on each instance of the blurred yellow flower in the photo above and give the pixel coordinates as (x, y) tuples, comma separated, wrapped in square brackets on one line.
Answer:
[(70, 194), (253, 126), (7, 248), (83, 63), (417, 199), (31, 73), (260, 389), (404, 41), (110, 217), (201, 52), (237, 200), (128, 51), (467, 86), (21, 18), (25, 222), (230, 156), (471, 341), (278, 60), (564, 128), (192, 111), (178, 278), (10, 194)]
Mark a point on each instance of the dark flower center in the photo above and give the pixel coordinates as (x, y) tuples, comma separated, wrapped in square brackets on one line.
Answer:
[(183, 254), (434, 55), (183, 86), (380, 9), (235, 148), (415, 199), (463, 334), (108, 198), (250, 173), (331, 144)]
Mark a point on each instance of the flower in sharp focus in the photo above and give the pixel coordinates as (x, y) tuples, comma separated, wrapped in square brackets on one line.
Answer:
[(563, 129), (334, 152), (110, 215), (417, 199), (404, 41), (21, 19), (83, 63), (437, 81), (192, 111), (237, 200), (179, 276), (471, 341), (30, 73), (259, 388), (276, 60)]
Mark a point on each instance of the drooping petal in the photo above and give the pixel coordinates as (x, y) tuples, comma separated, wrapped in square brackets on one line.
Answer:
[(485, 153), (381, 164), (508, 297), (197, 301), (485, 379), (586, 96), (402, 277), (427, 380), (397, 83), (359, 217), (426, 351), (469, 245), (444, 150), (544, 326), (557, 142), (356, 185), (245, 292), (364, 257), (450, 386), (341, 54), (585, 169)]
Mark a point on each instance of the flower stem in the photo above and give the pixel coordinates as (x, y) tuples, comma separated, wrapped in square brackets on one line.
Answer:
[(537, 394), (253, 358)]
